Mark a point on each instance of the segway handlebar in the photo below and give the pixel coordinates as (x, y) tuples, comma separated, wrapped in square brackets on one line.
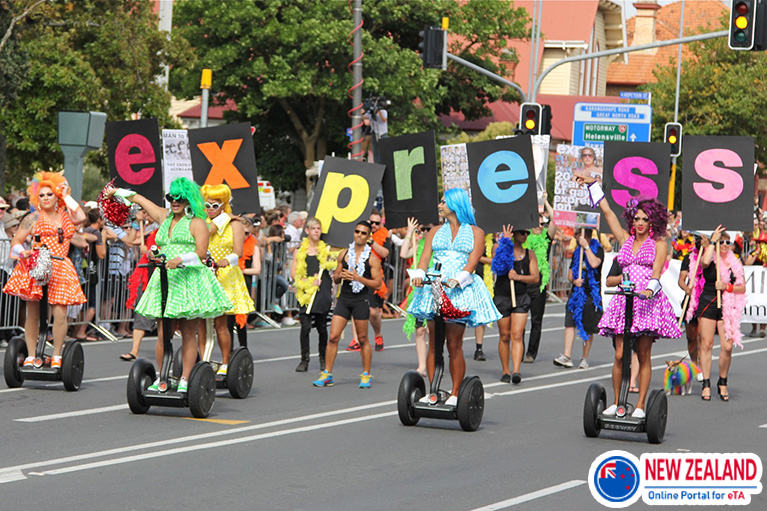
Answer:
[(436, 276), (626, 288)]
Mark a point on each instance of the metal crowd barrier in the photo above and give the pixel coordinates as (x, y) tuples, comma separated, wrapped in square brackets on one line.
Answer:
[(275, 265), (559, 264)]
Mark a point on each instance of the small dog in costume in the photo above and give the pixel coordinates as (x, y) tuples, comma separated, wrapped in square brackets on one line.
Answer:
[(679, 376)]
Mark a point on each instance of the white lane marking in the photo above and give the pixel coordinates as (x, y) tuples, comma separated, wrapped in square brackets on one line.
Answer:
[(77, 413), (214, 445), (532, 496)]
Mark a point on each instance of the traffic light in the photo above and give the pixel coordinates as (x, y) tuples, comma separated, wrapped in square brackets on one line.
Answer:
[(742, 24), (530, 119), (434, 41), (673, 135), (546, 120)]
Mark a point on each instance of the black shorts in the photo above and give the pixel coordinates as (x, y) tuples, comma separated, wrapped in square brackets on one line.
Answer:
[(591, 317), (707, 308), (375, 301), (503, 304), (357, 308), (143, 323)]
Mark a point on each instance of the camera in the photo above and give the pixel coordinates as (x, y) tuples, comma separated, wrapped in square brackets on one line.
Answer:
[(375, 103)]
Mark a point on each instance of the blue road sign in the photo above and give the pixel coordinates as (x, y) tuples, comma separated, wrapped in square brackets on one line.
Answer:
[(634, 95), (593, 123)]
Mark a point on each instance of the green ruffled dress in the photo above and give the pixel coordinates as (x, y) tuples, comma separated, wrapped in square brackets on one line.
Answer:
[(193, 291)]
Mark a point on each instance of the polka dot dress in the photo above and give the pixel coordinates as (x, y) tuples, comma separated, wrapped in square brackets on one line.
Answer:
[(654, 317), (230, 277), (63, 286), (193, 291)]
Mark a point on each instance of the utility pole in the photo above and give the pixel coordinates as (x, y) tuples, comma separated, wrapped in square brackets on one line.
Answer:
[(205, 83), (357, 80), (672, 178)]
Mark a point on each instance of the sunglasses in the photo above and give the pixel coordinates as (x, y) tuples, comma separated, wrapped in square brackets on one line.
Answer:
[(364, 233), (174, 198), (523, 233), (588, 155), (725, 242), (60, 232), (212, 205), (425, 229), (641, 219), (375, 223)]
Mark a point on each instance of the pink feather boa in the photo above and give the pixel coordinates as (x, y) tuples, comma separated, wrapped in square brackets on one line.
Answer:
[(698, 289), (733, 303)]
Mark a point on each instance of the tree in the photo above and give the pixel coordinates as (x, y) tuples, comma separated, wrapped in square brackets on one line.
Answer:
[(284, 64), (722, 92), (100, 55)]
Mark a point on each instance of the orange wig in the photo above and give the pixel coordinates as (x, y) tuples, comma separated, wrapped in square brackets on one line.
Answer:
[(52, 180)]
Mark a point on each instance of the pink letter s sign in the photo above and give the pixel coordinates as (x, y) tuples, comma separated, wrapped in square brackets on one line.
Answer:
[(707, 168)]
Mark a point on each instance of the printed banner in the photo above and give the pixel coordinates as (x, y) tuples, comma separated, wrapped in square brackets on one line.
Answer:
[(571, 204), (541, 161), (344, 195), (635, 170), (455, 167), (503, 183), (718, 184), (177, 159), (134, 156), (410, 179), (225, 155)]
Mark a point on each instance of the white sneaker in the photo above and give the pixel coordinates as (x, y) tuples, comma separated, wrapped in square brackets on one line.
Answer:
[(223, 369), (610, 410), (452, 401), (425, 399), (638, 414), (584, 364), (288, 321), (563, 361)]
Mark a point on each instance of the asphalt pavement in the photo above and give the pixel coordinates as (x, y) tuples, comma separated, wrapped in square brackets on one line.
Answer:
[(290, 446)]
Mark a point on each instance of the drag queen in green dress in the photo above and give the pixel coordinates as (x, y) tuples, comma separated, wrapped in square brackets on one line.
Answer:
[(193, 290)]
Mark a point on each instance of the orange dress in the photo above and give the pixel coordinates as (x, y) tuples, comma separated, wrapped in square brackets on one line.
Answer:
[(64, 286)]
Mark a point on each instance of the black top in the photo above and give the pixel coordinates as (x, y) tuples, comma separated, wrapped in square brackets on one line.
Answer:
[(709, 273), (685, 263), (522, 267), (323, 299), (346, 286), (600, 253)]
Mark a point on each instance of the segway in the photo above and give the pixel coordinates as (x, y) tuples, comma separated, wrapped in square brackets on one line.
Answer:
[(72, 358), (201, 391), (471, 396), (656, 412)]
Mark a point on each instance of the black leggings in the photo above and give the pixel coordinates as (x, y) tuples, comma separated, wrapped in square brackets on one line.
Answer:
[(319, 321), (242, 332)]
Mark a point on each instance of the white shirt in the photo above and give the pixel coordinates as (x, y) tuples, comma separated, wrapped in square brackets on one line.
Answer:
[(379, 127)]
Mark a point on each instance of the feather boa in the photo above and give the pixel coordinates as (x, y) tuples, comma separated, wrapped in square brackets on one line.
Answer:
[(733, 303), (578, 298), (487, 273), (357, 267), (503, 260), (409, 327), (539, 244), (305, 287), (139, 279), (698, 288)]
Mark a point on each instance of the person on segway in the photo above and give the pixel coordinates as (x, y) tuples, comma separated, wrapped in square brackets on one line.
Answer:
[(54, 221), (193, 291), (642, 256), (457, 245)]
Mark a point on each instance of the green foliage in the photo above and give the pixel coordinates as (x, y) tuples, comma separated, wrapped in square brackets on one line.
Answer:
[(99, 55), (285, 65)]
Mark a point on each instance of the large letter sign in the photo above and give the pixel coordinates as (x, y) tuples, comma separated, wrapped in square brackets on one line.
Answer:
[(410, 179), (635, 170), (718, 184), (135, 157), (344, 195), (502, 176), (225, 155)]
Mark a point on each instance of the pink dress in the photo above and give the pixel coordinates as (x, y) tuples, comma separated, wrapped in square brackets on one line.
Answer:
[(654, 317)]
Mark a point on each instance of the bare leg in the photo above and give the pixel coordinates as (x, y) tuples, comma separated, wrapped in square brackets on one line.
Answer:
[(517, 339), (504, 338), (454, 340), (587, 346), (725, 357), (375, 321), (32, 326), (188, 345), (366, 352), (337, 325), (706, 327), (59, 313), (617, 367), (644, 351), (569, 340), (634, 372), (224, 338), (138, 336), (421, 348)]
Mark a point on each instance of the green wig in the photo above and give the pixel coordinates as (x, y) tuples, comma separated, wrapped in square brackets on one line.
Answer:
[(189, 191)]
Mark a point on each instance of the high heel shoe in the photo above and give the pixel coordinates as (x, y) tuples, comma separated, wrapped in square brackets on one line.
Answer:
[(706, 385), (722, 383)]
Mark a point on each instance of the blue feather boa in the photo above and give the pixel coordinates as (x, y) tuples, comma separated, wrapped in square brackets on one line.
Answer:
[(503, 259), (578, 297)]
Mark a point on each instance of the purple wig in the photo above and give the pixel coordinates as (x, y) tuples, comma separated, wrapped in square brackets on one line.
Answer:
[(655, 211)]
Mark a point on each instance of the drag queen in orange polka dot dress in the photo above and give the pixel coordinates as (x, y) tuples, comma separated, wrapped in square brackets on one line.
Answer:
[(54, 221)]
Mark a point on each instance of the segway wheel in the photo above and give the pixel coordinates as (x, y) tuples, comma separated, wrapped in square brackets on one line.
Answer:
[(471, 403), (202, 390), (15, 354), (141, 376), (596, 401), (411, 389), (239, 377), (657, 415), (72, 365)]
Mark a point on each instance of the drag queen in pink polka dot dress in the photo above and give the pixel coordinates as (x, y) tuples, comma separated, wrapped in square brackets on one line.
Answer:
[(642, 255)]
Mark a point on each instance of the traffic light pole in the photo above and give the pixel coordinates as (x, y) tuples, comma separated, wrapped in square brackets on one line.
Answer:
[(620, 51), (489, 74)]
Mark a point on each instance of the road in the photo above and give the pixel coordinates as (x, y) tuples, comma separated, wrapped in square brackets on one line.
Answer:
[(290, 446)]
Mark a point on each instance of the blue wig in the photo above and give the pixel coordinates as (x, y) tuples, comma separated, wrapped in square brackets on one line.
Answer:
[(458, 201)]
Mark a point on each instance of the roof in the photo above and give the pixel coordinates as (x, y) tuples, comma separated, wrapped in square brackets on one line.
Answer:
[(562, 109), (214, 111), (699, 16)]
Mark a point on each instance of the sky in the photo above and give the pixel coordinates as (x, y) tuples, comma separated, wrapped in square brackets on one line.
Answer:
[(628, 5)]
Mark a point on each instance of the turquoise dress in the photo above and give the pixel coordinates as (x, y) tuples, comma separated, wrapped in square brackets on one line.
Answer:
[(193, 291), (453, 255)]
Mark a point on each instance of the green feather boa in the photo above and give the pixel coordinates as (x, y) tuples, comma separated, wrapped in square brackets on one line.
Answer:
[(409, 326), (539, 244)]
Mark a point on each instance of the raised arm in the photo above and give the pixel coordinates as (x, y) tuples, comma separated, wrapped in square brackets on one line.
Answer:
[(612, 220), (154, 211)]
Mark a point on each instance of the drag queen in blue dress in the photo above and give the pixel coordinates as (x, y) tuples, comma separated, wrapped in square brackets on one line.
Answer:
[(457, 245)]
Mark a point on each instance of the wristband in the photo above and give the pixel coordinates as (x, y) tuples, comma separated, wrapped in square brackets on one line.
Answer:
[(654, 286), (233, 259), (16, 250), (464, 278), (595, 194), (220, 221), (190, 258), (71, 203), (730, 287), (124, 193)]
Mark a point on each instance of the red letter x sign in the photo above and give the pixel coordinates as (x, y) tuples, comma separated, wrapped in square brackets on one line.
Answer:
[(222, 164)]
